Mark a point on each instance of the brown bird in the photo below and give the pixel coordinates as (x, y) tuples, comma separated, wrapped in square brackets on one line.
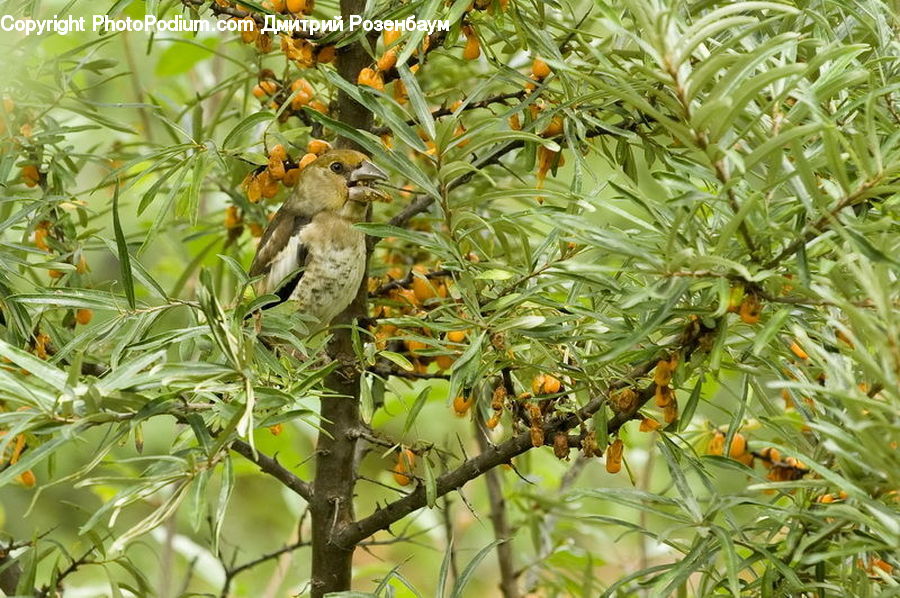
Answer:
[(311, 253)]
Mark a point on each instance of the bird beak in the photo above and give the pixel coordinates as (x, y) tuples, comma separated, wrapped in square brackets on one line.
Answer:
[(360, 179), (367, 172)]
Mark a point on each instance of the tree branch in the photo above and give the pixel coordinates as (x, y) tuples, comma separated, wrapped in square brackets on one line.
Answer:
[(811, 230), (273, 468), (447, 111), (230, 574), (474, 467)]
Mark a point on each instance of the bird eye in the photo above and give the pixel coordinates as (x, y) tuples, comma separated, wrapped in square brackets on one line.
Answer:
[(337, 167)]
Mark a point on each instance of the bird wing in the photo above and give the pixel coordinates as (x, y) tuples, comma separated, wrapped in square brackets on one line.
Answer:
[(281, 257)]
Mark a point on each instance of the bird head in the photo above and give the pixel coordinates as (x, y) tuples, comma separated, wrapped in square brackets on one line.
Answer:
[(338, 181)]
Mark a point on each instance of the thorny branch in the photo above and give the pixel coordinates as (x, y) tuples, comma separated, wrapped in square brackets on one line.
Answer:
[(273, 468), (474, 467), (231, 573)]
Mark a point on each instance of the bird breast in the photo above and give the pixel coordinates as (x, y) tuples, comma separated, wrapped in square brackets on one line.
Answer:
[(334, 268)]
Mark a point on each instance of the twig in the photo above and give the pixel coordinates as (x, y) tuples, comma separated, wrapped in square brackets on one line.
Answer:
[(811, 230), (230, 574), (447, 111), (385, 371), (406, 281)]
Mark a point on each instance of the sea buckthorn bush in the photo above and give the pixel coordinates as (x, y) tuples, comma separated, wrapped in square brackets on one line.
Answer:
[(628, 327)]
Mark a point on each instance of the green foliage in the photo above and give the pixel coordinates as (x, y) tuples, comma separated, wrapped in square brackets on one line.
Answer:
[(698, 156)]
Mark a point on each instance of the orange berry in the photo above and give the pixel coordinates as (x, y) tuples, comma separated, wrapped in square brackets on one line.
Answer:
[(539, 69), (84, 316), (306, 160), (326, 54), (318, 146), (769, 456), (278, 152), (249, 36), (276, 429), (493, 422), (648, 424), (738, 446), (554, 128), (798, 351), (461, 405), (304, 85), (552, 385), (662, 375), (276, 168), (664, 396), (457, 336), (423, 289), (406, 460), (387, 60), (390, 37), (716, 444), (56, 273), (27, 479), (750, 309), (40, 348), (40, 238), (670, 412), (623, 401), (514, 123), (264, 43), (400, 96), (371, 79), (269, 185), (614, 456), (319, 106), (290, 177), (561, 446), (537, 436), (258, 92), (254, 190), (232, 217), (414, 346), (473, 47), (844, 338), (444, 362), (299, 101), (269, 87), (296, 6), (30, 175), (256, 230)]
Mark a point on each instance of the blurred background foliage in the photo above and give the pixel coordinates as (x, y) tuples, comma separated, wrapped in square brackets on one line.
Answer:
[(688, 208)]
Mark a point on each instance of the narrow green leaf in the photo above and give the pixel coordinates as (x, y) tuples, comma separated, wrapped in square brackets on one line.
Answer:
[(124, 258)]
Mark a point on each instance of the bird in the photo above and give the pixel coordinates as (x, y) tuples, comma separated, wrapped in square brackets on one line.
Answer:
[(310, 252)]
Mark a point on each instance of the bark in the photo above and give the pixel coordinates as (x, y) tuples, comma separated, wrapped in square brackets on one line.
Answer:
[(331, 505)]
